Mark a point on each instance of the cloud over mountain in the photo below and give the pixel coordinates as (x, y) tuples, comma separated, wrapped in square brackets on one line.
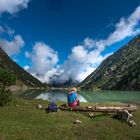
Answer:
[(43, 60)]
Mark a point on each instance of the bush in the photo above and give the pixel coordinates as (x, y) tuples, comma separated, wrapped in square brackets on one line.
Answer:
[(5, 97), (7, 78)]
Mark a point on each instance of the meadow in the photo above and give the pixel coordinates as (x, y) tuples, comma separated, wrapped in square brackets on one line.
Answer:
[(20, 120)]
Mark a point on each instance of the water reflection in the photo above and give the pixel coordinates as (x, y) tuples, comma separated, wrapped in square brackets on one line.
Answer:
[(85, 96), (57, 96)]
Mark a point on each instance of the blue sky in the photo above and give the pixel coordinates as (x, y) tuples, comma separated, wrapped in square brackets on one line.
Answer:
[(67, 38)]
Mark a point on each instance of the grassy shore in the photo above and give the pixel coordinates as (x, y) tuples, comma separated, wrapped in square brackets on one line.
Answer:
[(22, 121)]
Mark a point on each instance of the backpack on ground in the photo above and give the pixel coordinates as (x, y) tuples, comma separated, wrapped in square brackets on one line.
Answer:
[(52, 107)]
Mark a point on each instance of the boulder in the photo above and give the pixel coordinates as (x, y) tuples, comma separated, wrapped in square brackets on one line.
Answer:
[(39, 106), (77, 122)]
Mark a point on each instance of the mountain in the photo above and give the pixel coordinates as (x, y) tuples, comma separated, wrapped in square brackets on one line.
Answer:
[(66, 84), (23, 77), (120, 71)]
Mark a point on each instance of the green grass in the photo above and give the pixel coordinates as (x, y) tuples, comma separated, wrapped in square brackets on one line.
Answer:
[(25, 122)]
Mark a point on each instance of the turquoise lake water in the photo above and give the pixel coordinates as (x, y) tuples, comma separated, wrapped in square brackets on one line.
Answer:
[(86, 96)]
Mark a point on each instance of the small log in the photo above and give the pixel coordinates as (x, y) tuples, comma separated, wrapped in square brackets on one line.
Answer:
[(104, 109)]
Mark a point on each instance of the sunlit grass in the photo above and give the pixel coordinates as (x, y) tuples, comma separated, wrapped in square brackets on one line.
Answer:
[(21, 120)]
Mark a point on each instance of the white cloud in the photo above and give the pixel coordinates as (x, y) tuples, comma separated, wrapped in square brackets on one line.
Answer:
[(43, 60), (85, 73), (26, 68), (81, 62), (46, 77), (12, 6), (27, 54), (9, 31), (77, 69), (12, 47), (6, 30), (125, 28)]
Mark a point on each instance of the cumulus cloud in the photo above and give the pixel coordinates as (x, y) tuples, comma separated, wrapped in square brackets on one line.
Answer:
[(81, 62), (43, 60), (12, 47), (26, 67), (12, 6), (85, 57)]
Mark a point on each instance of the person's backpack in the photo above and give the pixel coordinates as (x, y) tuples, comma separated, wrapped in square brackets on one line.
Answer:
[(72, 97), (52, 107)]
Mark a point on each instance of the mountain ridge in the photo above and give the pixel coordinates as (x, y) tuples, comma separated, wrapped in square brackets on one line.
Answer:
[(120, 71), (23, 77)]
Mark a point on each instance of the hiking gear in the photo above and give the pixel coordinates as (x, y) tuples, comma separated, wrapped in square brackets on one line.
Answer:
[(52, 107), (72, 97)]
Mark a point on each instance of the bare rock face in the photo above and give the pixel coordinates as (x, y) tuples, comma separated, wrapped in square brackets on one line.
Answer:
[(120, 71)]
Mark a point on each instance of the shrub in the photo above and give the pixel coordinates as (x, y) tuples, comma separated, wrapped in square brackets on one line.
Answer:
[(7, 78), (5, 97)]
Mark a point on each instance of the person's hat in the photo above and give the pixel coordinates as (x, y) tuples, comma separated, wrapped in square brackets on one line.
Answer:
[(74, 89)]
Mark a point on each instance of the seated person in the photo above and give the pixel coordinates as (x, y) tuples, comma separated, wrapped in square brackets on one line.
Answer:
[(73, 98)]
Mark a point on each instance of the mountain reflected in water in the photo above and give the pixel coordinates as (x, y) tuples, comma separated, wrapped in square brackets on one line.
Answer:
[(57, 96), (85, 96)]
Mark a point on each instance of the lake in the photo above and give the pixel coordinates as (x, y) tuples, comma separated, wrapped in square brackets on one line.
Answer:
[(85, 96)]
